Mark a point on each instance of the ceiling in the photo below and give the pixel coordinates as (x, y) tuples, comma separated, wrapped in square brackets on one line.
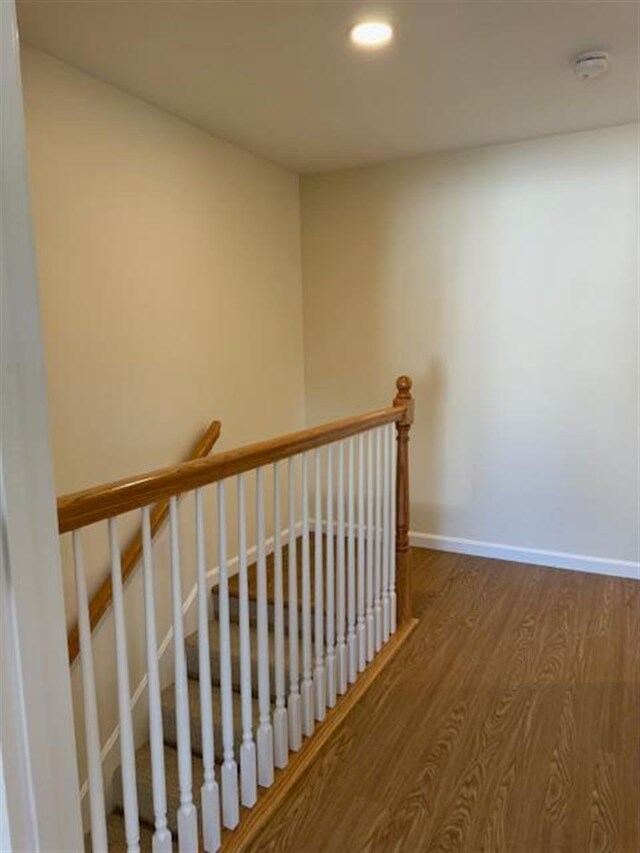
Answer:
[(281, 79)]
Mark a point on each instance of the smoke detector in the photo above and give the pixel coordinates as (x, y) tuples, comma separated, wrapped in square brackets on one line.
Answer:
[(591, 64)]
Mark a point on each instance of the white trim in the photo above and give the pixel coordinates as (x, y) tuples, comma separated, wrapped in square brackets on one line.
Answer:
[(212, 578), (42, 809), (535, 556), (5, 828)]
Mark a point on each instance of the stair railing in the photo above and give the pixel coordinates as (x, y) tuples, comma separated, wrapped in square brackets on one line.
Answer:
[(102, 600), (347, 591)]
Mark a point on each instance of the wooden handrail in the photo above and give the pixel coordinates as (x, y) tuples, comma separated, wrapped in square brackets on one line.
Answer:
[(101, 600), (102, 502)]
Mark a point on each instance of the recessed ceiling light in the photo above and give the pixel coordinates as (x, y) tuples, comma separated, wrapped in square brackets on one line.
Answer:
[(371, 34)]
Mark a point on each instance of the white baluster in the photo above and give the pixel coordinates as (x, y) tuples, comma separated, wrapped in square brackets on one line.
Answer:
[(127, 748), (370, 541), (187, 814), (294, 705), (248, 765), (306, 687), (352, 647), (361, 633), (162, 835), (385, 538), (392, 538), (377, 580), (331, 618), (280, 735), (209, 793), (265, 732), (229, 768), (340, 580), (319, 674), (99, 842)]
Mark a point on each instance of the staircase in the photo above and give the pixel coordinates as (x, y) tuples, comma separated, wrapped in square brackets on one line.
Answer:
[(115, 825), (343, 587)]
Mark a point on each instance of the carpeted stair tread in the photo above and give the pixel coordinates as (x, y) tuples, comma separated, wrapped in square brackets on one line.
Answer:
[(145, 786), (169, 720), (252, 579), (116, 836), (191, 648)]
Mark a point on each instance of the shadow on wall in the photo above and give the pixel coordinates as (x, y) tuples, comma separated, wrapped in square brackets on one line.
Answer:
[(504, 281), (427, 445)]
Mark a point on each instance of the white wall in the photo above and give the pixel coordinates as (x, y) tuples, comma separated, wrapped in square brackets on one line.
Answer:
[(39, 805), (505, 280)]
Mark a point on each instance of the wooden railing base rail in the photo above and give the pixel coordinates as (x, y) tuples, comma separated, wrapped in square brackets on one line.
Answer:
[(300, 763), (102, 599)]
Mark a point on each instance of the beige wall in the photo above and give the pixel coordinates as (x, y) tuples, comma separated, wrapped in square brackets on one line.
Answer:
[(505, 280), (170, 279), (169, 270), (169, 266)]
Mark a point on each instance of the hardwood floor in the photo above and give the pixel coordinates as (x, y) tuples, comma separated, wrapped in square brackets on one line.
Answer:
[(510, 721)]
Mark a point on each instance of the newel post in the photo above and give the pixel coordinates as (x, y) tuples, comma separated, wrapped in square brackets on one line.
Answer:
[(403, 572)]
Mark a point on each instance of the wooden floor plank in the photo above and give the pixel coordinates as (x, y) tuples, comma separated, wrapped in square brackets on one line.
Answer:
[(508, 722)]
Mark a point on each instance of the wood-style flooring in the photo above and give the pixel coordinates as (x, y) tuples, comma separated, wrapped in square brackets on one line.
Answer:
[(510, 721)]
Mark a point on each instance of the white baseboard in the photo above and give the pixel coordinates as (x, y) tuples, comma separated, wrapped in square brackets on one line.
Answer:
[(537, 557)]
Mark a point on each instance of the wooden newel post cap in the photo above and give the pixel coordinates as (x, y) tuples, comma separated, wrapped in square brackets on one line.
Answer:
[(404, 385), (403, 397)]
